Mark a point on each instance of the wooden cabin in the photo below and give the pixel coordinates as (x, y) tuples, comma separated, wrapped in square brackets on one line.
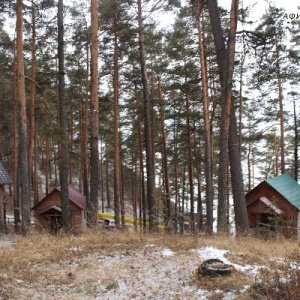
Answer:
[(4, 180), (273, 207), (48, 212)]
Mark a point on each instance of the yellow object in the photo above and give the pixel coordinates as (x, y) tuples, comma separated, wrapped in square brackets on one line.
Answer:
[(128, 220)]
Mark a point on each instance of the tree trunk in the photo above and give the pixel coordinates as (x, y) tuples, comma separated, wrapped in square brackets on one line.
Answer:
[(64, 161), (276, 167), (207, 131), (225, 111), (190, 160), (295, 143), (249, 156), (94, 161), (47, 163), (133, 187), (101, 176), (32, 130), (165, 159), (239, 200), (141, 159), (23, 137), (84, 135), (108, 205), (71, 141), (200, 226), (152, 122), (176, 186), (16, 190), (117, 174), (147, 123), (281, 113), (225, 61), (181, 208), (122, 203)]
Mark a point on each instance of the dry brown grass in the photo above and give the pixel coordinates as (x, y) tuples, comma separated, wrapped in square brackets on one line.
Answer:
[(43, 262)]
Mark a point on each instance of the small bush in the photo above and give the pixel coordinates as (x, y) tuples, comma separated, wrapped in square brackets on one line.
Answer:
[(112, 286), (284, 283)]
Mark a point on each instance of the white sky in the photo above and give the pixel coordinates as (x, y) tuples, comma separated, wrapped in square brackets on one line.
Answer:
[(259, 6)]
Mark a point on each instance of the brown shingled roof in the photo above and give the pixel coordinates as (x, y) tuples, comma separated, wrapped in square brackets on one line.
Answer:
[(4, 177)]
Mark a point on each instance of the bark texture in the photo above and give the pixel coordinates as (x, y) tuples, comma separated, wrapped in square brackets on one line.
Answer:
[(94, 180)]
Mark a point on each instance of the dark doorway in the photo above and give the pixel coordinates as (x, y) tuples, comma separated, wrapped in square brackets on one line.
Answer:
[(266, 220), (267, 225), (56, 224)]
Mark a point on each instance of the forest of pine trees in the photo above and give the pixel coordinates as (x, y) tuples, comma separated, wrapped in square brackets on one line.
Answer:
[(177, 122)]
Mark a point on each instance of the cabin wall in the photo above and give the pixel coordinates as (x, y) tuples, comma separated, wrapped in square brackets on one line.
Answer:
[(52, 199), (76, 218)]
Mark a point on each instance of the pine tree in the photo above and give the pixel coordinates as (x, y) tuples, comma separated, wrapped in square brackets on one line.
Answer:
[(94, 175), (271, 53), (64, 160), (225, 58), (147, 122), (23, 135)]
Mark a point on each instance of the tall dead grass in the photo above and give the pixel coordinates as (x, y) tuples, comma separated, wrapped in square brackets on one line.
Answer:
[(40, 247)]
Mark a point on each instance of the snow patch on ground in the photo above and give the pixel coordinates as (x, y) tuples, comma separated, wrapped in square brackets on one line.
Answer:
[(211, 252), (167, 252)]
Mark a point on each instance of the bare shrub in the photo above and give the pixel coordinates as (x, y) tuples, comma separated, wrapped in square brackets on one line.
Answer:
[(282, 283)]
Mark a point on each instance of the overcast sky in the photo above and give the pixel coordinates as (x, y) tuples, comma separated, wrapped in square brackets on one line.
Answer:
[(259, 6)]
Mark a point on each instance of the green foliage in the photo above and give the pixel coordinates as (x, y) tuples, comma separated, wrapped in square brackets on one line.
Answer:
[(172, 59), (113, 285)]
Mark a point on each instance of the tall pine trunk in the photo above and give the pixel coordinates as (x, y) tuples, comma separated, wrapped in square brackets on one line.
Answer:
[(16, 189), (207, 130), (117, 173), (190, 162), (281, 113), (296, 141), (23, 137), (168, 212), (94, 160), (141, 161), (229, 141), (64, 160), (32, 130), (147, 123), (71, 142), (84, 132)]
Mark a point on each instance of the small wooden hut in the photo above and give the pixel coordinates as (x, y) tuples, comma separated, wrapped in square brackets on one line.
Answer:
[(273, 206), (4, 180), (48, 212)]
